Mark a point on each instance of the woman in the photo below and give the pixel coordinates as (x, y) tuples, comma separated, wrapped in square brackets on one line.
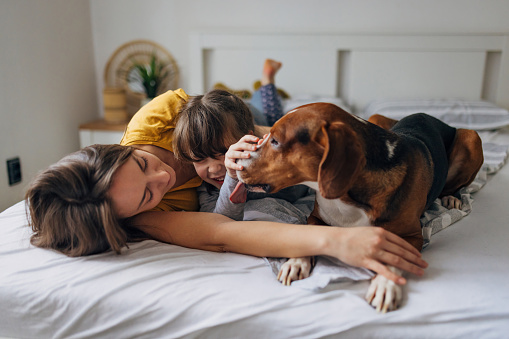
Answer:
[(76, 208), (103, 196)]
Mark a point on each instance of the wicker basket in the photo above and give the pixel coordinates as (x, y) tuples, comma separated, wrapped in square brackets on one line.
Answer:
[(115, 104)]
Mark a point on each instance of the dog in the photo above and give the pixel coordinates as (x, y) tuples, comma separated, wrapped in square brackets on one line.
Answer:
[(378, 172)]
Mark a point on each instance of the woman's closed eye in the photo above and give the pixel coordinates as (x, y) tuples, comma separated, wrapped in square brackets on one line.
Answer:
[(143, 164)]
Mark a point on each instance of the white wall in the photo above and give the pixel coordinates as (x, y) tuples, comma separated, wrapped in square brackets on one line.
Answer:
[(47, 84), (169, 22)]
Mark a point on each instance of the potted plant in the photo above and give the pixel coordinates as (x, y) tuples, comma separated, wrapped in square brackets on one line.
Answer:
[(150, 75)]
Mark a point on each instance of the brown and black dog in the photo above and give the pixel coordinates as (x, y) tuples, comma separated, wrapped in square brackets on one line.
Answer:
[(379, 172)]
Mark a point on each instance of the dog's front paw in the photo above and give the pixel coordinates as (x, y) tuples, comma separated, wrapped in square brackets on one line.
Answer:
[(295, 269), (450, 202), (384, 294)]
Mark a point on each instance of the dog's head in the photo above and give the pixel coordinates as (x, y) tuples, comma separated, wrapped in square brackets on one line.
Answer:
[(312, 143)]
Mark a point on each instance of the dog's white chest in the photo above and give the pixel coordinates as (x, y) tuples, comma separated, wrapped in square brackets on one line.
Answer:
[(334, 212)]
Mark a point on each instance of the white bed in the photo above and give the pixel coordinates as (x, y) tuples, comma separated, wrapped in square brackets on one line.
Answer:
[(156, 290)]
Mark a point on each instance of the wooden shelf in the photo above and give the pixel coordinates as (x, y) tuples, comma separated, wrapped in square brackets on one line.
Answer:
[(102, 125), (101, 132)]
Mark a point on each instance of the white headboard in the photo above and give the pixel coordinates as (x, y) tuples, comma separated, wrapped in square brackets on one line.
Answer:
[(358, 68)]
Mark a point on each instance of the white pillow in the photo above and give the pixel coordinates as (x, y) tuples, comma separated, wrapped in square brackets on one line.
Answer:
[(478, 115)]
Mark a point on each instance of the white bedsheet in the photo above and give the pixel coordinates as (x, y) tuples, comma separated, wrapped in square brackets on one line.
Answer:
[(157, 290)]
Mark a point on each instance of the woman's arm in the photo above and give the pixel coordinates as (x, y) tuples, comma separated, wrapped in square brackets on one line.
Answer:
[(368, 247)]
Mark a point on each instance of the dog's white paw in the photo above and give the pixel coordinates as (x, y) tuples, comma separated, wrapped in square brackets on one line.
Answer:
[(450, 202), (295, 269), (384, 294)]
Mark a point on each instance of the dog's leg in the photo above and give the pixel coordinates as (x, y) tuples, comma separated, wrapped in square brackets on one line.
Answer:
[(295, 269), (465, 160), (384, 294), (381, 121), (299, 268)]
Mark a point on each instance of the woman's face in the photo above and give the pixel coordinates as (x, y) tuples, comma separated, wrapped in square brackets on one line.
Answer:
[(211, 170), (140, 184)]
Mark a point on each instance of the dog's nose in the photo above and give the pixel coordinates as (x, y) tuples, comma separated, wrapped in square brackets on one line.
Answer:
[(247, 162)]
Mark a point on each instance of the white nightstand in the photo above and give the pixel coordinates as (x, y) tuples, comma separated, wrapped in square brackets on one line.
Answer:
[(101, 132)]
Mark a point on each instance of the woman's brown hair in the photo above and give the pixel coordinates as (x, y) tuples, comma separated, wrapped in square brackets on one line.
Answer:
[(209, 122), (69, 209)]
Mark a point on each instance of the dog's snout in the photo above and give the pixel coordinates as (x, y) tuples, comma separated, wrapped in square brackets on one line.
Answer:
[(255, 157), (247, 162), (253, 154)]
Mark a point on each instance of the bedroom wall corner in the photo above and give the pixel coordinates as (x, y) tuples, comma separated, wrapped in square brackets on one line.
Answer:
[(47, 85)]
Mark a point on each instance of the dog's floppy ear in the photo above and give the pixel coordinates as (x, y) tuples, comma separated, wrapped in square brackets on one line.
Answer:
[(342, 159)]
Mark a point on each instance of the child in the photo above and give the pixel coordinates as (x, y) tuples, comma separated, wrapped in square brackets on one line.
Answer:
[(207, 126), (290, 205)]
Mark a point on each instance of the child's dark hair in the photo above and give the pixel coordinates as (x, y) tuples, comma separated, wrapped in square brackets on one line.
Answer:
[(208, 123)]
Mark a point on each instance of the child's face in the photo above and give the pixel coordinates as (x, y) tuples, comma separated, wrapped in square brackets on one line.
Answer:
[(211, 170)]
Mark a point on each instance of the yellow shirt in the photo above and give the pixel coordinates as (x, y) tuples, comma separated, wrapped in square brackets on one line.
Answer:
[(153, 124)]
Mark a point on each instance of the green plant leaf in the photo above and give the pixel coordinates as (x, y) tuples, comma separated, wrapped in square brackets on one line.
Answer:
[(149, 75)]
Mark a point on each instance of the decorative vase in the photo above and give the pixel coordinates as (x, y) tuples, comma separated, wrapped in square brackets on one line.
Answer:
[(115, 104)]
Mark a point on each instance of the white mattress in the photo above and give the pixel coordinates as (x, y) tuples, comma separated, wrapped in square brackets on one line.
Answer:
[(157, 290)]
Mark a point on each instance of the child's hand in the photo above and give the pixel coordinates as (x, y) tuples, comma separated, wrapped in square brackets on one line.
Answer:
[(240, 150)]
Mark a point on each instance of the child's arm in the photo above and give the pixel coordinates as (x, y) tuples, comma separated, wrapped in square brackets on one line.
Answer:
[(238, 150), (224, 206), (207, 197), (213, 200)]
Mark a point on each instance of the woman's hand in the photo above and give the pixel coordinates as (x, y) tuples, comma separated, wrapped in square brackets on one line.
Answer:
[(374, 248), (239, 150)]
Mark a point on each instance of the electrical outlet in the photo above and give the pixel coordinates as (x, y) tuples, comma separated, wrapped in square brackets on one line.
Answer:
[(14, 171)]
